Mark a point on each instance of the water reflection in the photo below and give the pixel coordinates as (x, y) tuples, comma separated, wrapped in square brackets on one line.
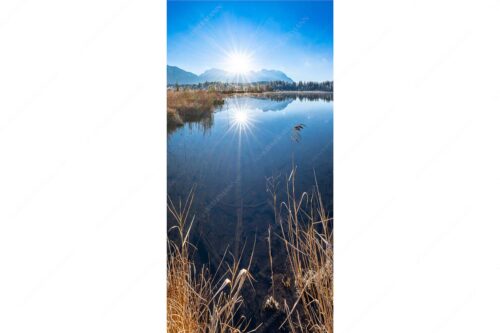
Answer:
[(200, 121), (240, 113), (302, 96), (229, 157), (264, 102)]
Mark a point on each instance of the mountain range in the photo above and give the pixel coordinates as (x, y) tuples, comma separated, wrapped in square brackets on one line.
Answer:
[(176, 75)]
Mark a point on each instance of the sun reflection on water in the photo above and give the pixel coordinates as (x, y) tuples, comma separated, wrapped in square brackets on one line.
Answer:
[(241, 119)]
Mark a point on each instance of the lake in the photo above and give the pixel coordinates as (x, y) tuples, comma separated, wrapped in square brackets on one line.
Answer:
[(229, 155)]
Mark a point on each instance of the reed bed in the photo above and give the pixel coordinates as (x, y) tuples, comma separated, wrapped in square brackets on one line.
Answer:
[(191, 105), (307, 232), (197, 301)]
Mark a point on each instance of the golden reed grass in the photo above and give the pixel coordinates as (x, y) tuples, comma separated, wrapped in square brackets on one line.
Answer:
[(196, 301), (307, 232), (184, 105)]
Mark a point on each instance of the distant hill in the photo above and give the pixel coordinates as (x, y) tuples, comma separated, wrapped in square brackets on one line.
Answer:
[(265, 75), (214, 75), (180, 76), (175, 75)]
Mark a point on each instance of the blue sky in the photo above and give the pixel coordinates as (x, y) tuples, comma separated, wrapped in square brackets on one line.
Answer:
[(291, 36)]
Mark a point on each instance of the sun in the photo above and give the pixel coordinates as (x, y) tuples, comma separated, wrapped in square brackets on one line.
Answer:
[(238, 62), (241, 118)]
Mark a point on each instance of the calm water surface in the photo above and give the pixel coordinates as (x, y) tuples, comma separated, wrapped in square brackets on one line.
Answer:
[(228, 158)]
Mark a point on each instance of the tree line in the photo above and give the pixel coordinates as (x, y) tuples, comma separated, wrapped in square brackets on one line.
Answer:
[(258, 87)]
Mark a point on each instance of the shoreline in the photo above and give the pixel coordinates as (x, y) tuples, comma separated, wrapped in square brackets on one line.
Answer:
[(281, 92), (188, 106)]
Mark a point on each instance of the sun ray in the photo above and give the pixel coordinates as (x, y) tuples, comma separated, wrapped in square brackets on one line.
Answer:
[(241, 119), (238, 62)]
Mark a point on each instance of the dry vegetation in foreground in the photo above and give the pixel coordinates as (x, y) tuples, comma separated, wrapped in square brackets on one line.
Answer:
[(307, 232), (190, 105), (196, 302)]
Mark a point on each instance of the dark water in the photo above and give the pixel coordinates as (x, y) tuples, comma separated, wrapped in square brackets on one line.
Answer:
[(228, 158)]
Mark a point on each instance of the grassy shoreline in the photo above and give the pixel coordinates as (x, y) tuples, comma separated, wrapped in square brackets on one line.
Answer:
[(190, 105), (186, 106)]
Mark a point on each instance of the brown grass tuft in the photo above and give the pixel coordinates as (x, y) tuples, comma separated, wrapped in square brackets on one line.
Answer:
[(196, 302), (307, 232), (190, 106)]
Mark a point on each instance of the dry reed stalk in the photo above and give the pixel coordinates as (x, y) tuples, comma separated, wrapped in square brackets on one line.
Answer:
[(270, 259), (196, 302), (307, 232), (192, 102)]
